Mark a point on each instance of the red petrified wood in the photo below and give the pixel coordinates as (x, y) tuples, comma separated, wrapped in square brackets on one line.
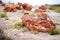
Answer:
[(38, 22), (27, 6), (10, 8), (41, 9), (19, 6)]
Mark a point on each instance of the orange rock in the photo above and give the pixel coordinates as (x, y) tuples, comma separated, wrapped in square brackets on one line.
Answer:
[(27, 6), (18, 7), (10, 8), (42, 7), (40, 23)]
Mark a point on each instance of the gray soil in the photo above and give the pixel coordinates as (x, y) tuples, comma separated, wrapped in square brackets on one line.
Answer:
[(16, 34)]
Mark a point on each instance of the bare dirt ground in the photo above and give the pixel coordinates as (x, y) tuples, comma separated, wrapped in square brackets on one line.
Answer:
[(16, 34)]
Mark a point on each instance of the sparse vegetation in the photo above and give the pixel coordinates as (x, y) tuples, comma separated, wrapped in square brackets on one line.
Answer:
[(6, 18), (3, 15), (55, 32), (57, 10), (24, 30), (18, 24), (34, 32), (56, 23)]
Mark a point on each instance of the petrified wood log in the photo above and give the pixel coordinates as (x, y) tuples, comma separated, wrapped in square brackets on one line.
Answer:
[(27, 6), (38, 22)]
